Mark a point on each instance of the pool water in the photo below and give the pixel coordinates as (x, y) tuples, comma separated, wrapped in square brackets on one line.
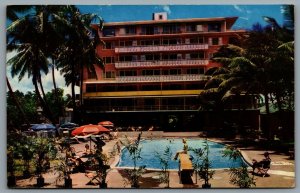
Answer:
[(150, 148)]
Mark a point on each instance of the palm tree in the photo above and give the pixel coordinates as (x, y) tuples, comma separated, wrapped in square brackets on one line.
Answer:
[(16, 101), (79, 48), (26, 36)]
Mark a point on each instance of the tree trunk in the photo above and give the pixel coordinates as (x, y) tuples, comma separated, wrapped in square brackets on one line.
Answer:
[(17, 103), (73, 93), (81, 84), (45, 99), (43, 104), (42, 89), (267, 103), (54, 82)]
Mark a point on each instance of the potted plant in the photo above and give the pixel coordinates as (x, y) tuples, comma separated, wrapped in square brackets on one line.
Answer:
[(103, 166), (202, 164), (44, 150), (135, 154), (64, 172), (11, 178), (164, 162), (238, 175)]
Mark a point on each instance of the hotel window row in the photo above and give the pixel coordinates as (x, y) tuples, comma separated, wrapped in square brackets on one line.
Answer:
[(164, 41), (142, 87), (155, 72), (162, 29), (156, 57)]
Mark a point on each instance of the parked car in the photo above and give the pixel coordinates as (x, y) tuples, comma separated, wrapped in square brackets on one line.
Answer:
[(65, 129)]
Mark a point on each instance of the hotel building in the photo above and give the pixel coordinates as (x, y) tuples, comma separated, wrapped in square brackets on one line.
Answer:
[(154, 70)]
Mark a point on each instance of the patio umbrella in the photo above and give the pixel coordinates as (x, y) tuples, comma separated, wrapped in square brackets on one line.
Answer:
[(68, 125), (89, 129), (43, 126), (106, 123)]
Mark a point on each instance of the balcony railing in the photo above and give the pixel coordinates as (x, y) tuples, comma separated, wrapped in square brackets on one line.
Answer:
[(162, 78), (161, 48), (158, 63), (141, 108)]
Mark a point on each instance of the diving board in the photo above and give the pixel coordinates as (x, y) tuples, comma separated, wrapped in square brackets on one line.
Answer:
[(185, 167)]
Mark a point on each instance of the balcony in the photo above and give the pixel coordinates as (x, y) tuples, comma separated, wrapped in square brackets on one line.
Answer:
[(161, 48), (162, 78), (135, 108), (158, 63)]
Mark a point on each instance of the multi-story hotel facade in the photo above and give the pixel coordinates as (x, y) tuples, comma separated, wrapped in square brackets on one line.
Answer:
[(154, 70)]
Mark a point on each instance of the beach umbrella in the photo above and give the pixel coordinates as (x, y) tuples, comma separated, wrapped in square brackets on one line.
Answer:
[(106, 123), (43, 126), (89, 129), (68, 125)]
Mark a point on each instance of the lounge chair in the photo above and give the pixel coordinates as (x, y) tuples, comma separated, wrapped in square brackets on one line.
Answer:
[(264, 167)]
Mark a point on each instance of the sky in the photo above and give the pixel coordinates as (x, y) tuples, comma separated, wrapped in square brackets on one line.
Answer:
[(248, 15)]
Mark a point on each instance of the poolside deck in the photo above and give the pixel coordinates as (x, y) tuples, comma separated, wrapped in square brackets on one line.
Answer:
[(282, 173)]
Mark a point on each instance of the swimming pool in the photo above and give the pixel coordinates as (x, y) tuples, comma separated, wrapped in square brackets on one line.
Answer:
[(150, 159)]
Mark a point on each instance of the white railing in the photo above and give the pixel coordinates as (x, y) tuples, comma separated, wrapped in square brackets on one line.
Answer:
[(161, 63), (162, 78), (161, 48)]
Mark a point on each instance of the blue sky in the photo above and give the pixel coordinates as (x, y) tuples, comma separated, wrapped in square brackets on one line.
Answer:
[(248, 15)]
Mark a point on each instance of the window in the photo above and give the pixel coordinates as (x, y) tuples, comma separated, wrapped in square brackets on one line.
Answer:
[(156, 30), (169, 57), (214, 27), (197, 40), (134, 58), (126, 43), (199, 28), (110, 74), (126, 58), (148, 30), (109, 45), (190, 28), (195, 71), (109, 31), (171, 41), (198, 55), (175, 71), (215, 41), (127, 73), (130, 30), (109, 60), (91, 88), (160, 17), (169, 29), (150, 72), (92, 74)]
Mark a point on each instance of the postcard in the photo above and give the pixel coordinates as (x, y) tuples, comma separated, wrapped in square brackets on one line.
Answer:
[(150, 96)]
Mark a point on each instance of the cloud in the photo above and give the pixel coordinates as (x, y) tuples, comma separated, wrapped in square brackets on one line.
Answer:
[(26, 85), (244, 18), (167, 9), (237, 8)]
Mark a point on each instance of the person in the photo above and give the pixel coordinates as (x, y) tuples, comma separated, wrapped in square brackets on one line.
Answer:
[(257, 164), (118, 146), (79, 166), (185, 146), (87, 149), (73, 152), (185, 149)]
